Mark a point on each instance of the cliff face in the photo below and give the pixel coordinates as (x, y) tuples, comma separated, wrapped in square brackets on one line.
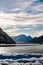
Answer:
[(5, 38)]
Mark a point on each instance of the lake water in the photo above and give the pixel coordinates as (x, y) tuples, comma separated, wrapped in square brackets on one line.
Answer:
[(21, 54), (22, 49)]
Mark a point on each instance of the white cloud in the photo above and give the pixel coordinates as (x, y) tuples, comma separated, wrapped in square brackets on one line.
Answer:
[(21, 12), (39, 34), (11, 19)]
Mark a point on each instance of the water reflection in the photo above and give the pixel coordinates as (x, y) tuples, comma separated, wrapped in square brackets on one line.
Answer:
[(22, 49)]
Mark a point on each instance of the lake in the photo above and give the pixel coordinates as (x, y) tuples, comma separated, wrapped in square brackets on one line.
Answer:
[(21, 54), (22, 49)]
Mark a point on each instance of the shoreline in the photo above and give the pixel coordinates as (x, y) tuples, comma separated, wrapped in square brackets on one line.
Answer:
[(10, 45)]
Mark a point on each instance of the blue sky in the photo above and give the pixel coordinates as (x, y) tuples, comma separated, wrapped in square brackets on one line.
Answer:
[(22, 17)]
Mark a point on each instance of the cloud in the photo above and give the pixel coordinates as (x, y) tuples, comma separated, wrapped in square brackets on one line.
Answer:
[(15, 6), (21, 17), (30, 23), (35, 7)]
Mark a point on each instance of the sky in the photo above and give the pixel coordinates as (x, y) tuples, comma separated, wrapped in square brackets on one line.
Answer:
[(22, 17)]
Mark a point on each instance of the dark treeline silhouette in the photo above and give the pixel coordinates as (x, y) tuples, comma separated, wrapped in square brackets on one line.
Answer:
[(37, 40)]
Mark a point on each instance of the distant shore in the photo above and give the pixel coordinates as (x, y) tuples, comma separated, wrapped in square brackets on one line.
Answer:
[(10, 45)]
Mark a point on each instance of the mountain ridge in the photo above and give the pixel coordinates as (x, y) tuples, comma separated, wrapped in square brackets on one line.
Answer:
[(22, 38), (37, 40), (5, 38), (28, 39)]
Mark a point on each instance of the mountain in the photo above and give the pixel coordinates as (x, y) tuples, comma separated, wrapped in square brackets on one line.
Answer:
[(37, 40), (5, 38), (22, 39)]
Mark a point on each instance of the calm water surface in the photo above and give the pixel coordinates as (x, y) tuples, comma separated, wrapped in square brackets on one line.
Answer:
[(22, 49)]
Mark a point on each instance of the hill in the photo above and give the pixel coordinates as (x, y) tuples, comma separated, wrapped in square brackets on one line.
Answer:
[(21, 39), (5, 38), (37, 40)]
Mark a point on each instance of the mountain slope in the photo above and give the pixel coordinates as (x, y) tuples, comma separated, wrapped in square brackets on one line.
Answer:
[(37, 40), (22, 39), (4, 38)]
